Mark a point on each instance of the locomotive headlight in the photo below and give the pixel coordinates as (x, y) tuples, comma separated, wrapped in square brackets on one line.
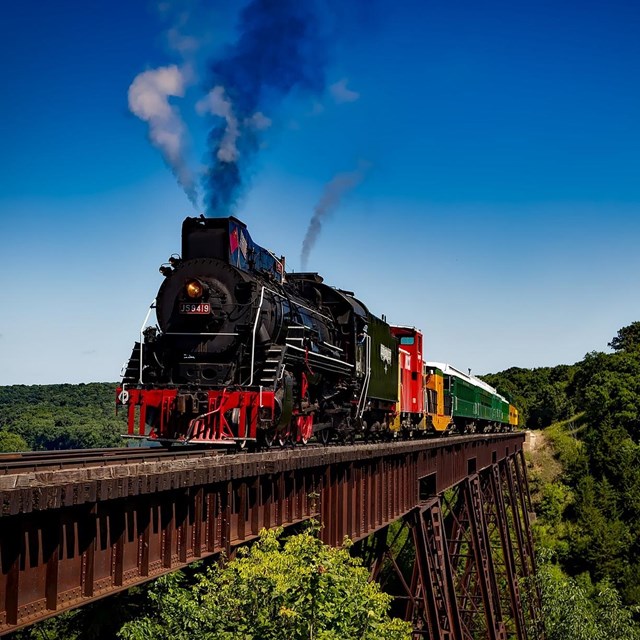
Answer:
[(194, 289)]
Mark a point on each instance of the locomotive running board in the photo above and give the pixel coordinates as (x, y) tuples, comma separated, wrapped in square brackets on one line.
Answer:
[(230, 442)]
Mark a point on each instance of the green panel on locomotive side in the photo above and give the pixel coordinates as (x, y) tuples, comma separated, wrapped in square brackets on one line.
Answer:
[(384, 361), (504, 414), (469, 401), (485, 405), (464, 398)]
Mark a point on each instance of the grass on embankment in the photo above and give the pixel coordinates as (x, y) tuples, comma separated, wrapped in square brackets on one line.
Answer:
[(556, 451)]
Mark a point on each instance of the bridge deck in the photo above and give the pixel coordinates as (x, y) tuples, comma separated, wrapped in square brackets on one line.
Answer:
[(72, 535)]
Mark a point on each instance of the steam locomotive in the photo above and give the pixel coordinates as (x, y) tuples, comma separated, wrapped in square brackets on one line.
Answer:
[(247, 355)]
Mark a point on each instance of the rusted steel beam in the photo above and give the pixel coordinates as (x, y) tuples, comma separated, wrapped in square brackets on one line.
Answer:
[(482, 555), (508, 556), (464, 581), (442, 579), (69, 537), (521, 501)]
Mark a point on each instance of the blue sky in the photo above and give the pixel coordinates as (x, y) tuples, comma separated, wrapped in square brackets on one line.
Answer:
[(499, 213)]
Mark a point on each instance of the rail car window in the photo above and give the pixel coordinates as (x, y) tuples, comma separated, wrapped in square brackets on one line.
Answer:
[(414, 375), (407, 340), (432, 399)]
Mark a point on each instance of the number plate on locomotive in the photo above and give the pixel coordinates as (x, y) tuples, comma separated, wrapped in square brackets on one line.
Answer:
[(200, 308)]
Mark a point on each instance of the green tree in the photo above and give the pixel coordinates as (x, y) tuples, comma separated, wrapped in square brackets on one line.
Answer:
[(299, 589), (12, 442), (62, 416), (627, 338), (574, 611), (541, 395), (549, 405)]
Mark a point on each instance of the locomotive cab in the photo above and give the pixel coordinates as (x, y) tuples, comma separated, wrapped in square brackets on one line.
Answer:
[(227, 240)]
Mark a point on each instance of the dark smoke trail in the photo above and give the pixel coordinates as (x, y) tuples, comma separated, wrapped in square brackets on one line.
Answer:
[(280, 49), (333, 192)]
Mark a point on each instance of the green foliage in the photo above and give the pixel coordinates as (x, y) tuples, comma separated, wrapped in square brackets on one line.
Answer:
[(575, 611), (299, 589), (100, 620), (627, 338), (12, 442), (62, 416), (568, 449), (539, 394), (548, 405), (607, 387), (587, 491)]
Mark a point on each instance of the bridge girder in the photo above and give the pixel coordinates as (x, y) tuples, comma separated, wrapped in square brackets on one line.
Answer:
[(68, 538)]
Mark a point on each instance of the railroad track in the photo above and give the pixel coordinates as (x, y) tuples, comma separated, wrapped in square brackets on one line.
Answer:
[(30, 461), (11, 463)]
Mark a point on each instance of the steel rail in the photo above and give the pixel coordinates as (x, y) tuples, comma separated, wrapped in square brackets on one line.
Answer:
[(11, 463), (31, 461)]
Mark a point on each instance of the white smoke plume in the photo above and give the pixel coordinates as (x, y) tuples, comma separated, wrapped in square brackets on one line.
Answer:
[(333, 193), (216, 103), (149, 100)]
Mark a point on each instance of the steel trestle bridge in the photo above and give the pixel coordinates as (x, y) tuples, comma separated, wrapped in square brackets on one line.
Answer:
[(78, 526)]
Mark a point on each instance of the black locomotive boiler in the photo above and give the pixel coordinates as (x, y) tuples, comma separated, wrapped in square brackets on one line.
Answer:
[(244, 353)]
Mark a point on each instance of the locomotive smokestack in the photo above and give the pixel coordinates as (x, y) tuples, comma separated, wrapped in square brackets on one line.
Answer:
[(333, 192), (280, 48)]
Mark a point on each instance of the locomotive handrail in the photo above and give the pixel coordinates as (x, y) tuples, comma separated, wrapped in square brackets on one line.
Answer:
[(321, 355), (253, 339), (326, 344), (301, 306), (144, 324), (255, 324), (367, 377)]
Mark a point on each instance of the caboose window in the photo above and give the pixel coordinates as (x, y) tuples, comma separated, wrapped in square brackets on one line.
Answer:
[(407, 340)]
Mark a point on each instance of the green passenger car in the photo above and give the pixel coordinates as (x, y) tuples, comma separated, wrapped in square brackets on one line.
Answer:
[(471, 402)]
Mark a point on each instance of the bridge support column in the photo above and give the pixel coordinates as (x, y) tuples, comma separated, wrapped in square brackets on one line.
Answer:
[(458, 563)]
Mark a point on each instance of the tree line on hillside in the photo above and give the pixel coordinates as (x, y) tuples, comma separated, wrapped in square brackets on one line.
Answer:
[(59, 416), (590, 516)]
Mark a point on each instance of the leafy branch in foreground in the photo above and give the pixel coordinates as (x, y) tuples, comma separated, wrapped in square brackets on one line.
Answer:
[(297, 589)]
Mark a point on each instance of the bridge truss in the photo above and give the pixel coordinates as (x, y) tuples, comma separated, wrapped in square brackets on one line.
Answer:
[(444, 523)]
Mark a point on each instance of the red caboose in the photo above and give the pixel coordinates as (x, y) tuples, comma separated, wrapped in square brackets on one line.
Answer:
[(410, 407)]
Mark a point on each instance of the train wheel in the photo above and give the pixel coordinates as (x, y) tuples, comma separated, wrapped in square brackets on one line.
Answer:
[(267, 439), (280, 438)]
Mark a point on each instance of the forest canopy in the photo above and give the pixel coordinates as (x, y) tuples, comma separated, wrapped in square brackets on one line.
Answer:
[(59, 416), (590, 514)]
